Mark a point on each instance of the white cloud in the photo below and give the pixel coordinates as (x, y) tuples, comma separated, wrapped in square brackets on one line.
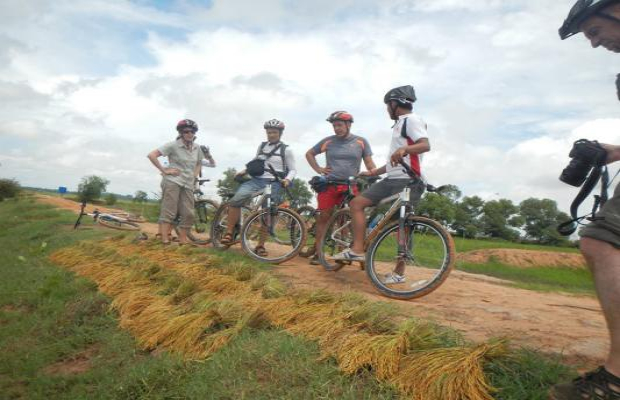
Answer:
[(503, 96)]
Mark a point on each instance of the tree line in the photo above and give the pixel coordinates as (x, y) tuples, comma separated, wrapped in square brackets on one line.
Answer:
[(532, 220)]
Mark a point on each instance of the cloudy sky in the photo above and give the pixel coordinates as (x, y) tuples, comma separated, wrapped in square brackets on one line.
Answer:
[(90, 87)]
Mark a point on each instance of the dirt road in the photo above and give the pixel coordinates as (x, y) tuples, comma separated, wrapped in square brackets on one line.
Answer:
[(481, 307)]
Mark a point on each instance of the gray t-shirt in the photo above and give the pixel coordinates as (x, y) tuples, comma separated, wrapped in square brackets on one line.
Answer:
[(183, 159), (344, 156)]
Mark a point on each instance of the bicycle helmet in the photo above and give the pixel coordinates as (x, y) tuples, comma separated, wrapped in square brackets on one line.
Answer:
[(582, 10), (402, 95), (340, 116), (187, 123), (274, 124)]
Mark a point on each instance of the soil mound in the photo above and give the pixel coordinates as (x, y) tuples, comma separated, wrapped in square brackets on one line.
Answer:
[(524, 258)]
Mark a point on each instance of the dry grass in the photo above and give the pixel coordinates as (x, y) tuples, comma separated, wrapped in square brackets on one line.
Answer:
[(188, 304)]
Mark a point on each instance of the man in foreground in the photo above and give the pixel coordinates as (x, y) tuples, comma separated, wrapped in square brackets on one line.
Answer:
[(600, 240)]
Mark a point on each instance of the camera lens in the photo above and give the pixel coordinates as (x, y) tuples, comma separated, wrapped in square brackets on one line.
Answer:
[(575, 173)]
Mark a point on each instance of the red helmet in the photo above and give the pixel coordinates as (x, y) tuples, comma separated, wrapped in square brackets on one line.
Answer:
[(340, 116), (274, 124), (187, 123)]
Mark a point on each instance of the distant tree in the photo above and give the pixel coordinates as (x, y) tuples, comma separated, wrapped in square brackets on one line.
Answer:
[(437, 207), (91, 187), (140, 197), (9, 188), (300, 193), (228, 183), (498, 218), (452, 192), (111, 199), (540, 218), (467, 218)]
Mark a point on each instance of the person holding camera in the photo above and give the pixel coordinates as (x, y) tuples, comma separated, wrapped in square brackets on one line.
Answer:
[(599, 20), (178, 180), (272, 153)]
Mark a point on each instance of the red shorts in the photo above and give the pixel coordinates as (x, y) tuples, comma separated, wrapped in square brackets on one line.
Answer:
[(333, 196)]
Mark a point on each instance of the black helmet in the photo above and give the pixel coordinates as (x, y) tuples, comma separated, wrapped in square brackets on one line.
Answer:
[(582, 10), (402, 95)]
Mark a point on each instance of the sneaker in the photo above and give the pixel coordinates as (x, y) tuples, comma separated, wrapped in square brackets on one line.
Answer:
[(314, 260), (392, 278), (595, 385), (348, 255)]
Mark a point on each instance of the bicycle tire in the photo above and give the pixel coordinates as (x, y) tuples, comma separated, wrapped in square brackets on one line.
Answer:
[(292, 224), (337, 238), (114, 223), (219, 226), (308, 214), (434, 251), (204, 212)]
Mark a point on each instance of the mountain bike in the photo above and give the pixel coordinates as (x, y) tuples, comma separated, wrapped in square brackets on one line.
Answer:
[(267, 232), (204, 213), (106, 219), (420, 250), (344, 236)]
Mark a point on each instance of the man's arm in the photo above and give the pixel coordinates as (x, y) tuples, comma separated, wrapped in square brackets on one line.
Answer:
[(311, 158), (613, 152), (369, 163), (375, 171), (419, 147)]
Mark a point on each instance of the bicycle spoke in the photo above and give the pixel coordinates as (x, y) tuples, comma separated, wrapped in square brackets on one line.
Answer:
[(415, 267)]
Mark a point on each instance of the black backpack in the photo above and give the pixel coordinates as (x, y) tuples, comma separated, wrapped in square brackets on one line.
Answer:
[(256, 167)]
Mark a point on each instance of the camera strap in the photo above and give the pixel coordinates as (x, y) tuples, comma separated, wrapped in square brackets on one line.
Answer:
[(569, 227)]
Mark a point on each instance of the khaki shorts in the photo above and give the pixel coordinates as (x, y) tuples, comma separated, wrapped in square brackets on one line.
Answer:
[(607, 228), (177, 201)]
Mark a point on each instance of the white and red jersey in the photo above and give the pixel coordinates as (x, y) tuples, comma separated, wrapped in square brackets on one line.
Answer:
[(415, 130)]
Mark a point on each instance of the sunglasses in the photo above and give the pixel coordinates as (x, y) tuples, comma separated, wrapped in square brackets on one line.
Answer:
[(188, 131)]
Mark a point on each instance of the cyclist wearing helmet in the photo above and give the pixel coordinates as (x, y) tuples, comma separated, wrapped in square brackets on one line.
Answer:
[(600, 240), (409, 142), (344, 153), (184, 158), (277, 155)]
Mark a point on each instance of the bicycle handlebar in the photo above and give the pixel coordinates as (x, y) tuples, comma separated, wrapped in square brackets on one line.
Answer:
[(414, 175)]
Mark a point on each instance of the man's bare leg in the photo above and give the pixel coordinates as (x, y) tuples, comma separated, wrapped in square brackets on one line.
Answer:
[(604, 262)]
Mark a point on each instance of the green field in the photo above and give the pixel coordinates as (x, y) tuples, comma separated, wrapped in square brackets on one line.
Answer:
[(60, 339)]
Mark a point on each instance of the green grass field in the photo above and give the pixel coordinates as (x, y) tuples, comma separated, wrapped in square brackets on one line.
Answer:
[(60, 340)]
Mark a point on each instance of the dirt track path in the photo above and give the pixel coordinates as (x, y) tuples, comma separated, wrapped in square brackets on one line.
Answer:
[(480, 307)]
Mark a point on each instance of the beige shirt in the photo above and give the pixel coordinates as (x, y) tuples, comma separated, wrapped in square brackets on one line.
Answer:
[(184, 159)]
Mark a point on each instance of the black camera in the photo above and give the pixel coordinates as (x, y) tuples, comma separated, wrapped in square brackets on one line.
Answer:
[(585, 155)]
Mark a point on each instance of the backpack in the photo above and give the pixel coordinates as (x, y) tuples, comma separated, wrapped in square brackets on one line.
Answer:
[(256, 167)]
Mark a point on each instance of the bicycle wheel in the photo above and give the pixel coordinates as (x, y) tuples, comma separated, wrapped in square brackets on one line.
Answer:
[(204, 212), (308, 215), (219, 226), (429, 257), (115, 223), (338, 236), (262, 229)]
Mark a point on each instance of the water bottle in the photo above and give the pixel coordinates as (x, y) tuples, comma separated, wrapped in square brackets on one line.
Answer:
[(375, 221)]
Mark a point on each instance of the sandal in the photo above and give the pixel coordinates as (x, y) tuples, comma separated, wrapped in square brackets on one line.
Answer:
[(260, 251), (227, 238), (596, 385)]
